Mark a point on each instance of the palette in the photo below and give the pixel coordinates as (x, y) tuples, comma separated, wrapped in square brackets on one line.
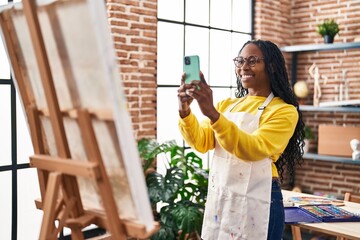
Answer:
[(318, 213), (330, 213)]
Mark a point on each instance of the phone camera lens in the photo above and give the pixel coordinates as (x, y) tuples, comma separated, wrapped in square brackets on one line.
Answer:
[(187, 61)]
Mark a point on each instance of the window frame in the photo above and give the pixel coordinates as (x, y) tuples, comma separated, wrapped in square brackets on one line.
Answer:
[(215, 87)]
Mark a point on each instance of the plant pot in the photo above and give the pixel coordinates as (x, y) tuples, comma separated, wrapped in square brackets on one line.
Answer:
[(328, 39)]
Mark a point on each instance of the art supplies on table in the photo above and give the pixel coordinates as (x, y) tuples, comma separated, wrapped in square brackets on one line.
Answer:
[(318, 213), (295, 215), (315, 200)]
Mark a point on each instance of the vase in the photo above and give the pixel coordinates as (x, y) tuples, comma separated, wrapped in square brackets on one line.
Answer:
[(328, 39)]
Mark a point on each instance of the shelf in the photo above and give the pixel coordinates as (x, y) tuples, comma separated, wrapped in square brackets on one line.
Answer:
[(310, 108), (328, 158), (320, 47), (340, 103), (294, 50)]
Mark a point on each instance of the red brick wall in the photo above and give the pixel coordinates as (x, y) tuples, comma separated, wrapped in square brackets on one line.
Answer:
[(330, 178), (133, 25), (272, 21), (293, 23)]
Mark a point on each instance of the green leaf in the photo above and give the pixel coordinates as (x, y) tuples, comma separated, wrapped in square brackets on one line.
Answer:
[(167, 217), (164, 188), (194, 160), (189, 219), (164, 233), (177, 155), (148, 150)]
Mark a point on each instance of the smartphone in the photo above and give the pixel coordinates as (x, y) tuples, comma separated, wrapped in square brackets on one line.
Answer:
[(191, 68)]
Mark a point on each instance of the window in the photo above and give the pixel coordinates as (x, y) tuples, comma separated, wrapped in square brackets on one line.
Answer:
[(213, 29)]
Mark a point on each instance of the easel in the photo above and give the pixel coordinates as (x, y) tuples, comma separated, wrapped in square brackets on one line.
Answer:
[(61, 199)]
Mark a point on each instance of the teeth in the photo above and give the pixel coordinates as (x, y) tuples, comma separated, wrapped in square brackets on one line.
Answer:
[(246, 76)]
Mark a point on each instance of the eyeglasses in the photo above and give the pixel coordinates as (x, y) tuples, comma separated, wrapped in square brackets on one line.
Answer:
[(250, 61)]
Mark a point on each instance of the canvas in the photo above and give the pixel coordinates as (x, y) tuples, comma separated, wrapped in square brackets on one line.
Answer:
[(85, 75)]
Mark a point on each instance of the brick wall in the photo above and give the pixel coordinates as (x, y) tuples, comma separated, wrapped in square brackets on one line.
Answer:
[(330, 178), (272, 21), (294, 23), (133, 25)]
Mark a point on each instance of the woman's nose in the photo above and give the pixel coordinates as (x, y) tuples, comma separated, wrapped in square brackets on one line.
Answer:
[(245, 66)]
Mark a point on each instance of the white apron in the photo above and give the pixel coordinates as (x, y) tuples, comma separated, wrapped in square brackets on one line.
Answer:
[(239, 192)]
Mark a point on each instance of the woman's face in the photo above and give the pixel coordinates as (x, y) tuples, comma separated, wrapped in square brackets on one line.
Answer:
[(252, 73)]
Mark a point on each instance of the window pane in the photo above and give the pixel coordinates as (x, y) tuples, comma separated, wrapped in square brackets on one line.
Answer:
[(221, 64), (193, 15), (24, 145), (3, 2), (197, 43), (5, 205), (220, 94), (220, 14), (168, 115), (5, 125), (29, 217), (4, 66), (171, 9), (170, 53), (241, 16)]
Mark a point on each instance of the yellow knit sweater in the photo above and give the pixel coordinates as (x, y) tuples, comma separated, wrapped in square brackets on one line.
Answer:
[(277, 125)]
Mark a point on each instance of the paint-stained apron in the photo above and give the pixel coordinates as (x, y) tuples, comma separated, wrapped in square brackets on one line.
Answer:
[(239, 192)]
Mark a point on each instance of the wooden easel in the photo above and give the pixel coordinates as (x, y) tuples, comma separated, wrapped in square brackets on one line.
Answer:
[(60, 197)]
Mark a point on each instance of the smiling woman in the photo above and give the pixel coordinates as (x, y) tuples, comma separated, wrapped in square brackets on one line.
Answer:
[(254, 136)]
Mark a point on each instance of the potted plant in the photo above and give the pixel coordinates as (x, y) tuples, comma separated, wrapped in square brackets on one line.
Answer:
[(328, 30), (178, 196), (309, 135)]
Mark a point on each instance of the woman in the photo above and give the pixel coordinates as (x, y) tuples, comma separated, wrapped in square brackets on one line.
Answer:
[(255, 136)]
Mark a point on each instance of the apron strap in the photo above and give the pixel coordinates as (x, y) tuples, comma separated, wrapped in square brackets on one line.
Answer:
[(262, 107)]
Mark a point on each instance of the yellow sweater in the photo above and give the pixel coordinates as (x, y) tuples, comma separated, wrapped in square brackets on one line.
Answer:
[(277, 125)]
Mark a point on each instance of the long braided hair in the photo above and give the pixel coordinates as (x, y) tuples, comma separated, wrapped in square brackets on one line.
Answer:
[(280, 86)]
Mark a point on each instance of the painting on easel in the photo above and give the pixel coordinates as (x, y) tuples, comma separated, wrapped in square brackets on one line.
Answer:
[(65, 70)]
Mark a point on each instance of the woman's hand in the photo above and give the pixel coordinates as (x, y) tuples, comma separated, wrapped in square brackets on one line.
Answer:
[(201, 91), (184, 99)]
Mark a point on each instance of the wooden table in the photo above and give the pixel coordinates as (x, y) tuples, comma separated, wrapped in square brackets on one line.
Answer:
[(347, 230)]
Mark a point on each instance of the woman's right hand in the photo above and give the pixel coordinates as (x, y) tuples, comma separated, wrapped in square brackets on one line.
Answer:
[(184, 99)]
